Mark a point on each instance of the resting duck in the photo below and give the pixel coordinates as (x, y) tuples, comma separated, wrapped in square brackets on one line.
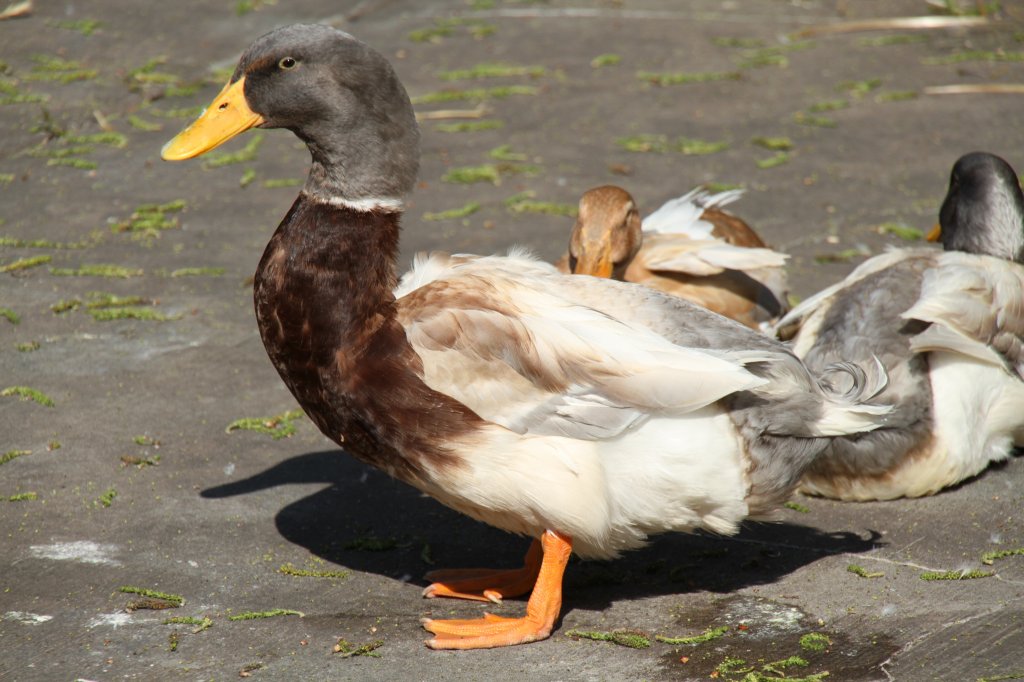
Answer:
[(949, 329), (690, 247), (583, 412)]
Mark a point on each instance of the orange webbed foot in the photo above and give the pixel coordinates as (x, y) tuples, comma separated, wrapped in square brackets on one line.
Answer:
[(541, 611), (482, 584)]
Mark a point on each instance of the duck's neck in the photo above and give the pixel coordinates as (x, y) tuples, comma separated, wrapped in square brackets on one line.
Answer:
[(327, 315), (327, 276)]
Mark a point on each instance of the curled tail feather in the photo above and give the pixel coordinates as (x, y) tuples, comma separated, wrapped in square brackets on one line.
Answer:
[(848, 389)]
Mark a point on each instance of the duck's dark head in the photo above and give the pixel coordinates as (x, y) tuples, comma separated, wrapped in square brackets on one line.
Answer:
[(983, 211), (337, 94)]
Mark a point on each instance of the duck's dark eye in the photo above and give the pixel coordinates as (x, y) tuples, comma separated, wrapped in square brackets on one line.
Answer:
[(287, 63)]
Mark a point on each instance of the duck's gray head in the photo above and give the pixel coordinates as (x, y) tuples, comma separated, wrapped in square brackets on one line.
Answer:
[(984, 208), (337, 94)]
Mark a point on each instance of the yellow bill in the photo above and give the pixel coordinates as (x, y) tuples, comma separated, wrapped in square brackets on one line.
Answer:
[(228, 115), (595, 264), (935, 233)]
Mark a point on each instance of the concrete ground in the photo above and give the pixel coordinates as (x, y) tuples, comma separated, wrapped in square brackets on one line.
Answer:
[(132, 477)]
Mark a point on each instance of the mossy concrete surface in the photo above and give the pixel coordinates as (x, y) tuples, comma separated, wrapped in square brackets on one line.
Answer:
[(216, 513)]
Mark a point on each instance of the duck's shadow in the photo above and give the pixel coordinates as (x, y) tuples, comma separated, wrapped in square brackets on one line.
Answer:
[(368, 522)]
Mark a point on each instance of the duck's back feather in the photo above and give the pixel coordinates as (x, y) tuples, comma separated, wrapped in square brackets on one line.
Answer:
[(975, 305), (531, 354)]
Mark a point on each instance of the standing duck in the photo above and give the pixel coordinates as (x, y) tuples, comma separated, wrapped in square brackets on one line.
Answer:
[(583, 412), (949, 329), (690, 247)]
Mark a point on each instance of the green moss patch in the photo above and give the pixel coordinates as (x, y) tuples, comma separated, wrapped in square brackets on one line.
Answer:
[(469, 126), (98, 270), (863, 572), (107, 137), (626, 638), (797, 507), (11, 94), (23, 497), (776, 671), (11, 455), (774, 55), (142, 124), (183, 112), (200, 623), (347, 649), (453, 213), (40, 243), (130, 313), (446, 28), (497, 92), (897, 39), (976, 56), (804, 118), (244, 155), (505, 153), (10, 315), (243, 7), (492, 70), (904, 232), (829, 105), (277, 427), (272, 613), (607, 59), (525, 203), (469, 174), (107, 498), (989, 557), (198, 272), (706, 636), (896, 96), (26, 393), (25, 263), (774, 143), (815, 641), (80, 164), (289, 569), (175, 599), (84, 26), (861, 87), (148, 604), (139, 462), (685, 78), (151, 219), (275, 183), (661, 144), (956, 575), (50, 68), (773, 161)]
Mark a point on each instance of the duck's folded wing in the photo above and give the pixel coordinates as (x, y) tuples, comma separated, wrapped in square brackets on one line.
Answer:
[(705, 257), (821, 300), (975, 305), (524, 352), (682, 214)]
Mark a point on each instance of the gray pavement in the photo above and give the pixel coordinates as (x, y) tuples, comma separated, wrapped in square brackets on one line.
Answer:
[(136, 482)]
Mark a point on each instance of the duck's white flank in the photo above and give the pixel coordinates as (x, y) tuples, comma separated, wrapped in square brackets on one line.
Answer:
[(608, 495)]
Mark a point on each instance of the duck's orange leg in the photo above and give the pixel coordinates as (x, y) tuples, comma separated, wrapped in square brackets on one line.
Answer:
[(541, 611), (482, 584)]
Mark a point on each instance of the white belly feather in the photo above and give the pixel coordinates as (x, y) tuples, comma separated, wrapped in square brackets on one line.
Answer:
[(669, 474)]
